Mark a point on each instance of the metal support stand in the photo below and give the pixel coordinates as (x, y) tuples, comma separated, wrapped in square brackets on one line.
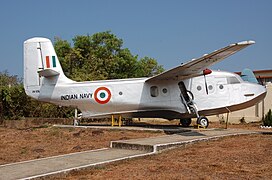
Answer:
[(112, 120), (263, 110), (76, 120), (199, 126), (227, 121), (119, 123)]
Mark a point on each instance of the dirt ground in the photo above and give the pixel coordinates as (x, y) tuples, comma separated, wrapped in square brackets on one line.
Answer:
[(25, 142), (243, 157)]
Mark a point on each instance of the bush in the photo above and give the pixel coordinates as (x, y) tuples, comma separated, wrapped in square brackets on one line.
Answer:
[(15, 104), (268, 119)]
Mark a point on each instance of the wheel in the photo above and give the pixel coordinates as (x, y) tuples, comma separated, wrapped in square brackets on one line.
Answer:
[(185, 122), (203, 121)]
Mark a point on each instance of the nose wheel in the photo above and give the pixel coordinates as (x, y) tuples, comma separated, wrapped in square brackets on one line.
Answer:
[(202, 121)]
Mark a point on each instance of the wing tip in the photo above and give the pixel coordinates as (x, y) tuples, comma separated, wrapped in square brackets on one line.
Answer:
[(249, 42), (246, 42)]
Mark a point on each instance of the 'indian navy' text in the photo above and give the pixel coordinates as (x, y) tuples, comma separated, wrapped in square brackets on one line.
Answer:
[(76, 96)]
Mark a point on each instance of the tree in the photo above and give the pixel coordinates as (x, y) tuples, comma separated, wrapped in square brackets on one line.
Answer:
[(8, 80), (63, 49), (15, 104), (83, 44), (7, 106), (268, 119), (149, 67), (102, 56)]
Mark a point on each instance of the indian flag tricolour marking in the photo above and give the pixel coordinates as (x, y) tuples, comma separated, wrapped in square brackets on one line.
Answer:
[(102, 95), (49, 62)]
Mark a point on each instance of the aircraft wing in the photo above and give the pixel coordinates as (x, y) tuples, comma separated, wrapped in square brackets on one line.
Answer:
[(195, 67)]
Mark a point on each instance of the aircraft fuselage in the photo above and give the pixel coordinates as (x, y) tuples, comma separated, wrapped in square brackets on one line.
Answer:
[(138, 98)]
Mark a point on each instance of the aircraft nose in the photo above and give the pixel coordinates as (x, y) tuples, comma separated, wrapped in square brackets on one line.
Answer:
[(261, 89), (254, 90), (264, 90)]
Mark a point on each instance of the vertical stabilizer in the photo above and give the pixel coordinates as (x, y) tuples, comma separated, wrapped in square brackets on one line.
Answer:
[(41, 66)]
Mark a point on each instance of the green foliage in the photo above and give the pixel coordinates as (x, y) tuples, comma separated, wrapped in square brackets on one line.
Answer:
[(102, 56), (149, 67), (15, 104), (64, 50), (268, 119), (8, 80)]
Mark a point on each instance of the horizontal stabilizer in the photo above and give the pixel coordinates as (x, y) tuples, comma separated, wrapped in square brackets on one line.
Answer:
[(48, 72)]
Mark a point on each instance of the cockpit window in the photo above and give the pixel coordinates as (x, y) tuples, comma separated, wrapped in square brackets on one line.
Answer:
[(233, 80)]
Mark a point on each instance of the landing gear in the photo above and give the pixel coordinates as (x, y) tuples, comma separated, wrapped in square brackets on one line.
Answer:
[(202, 121), (185, 122), (187, 99)]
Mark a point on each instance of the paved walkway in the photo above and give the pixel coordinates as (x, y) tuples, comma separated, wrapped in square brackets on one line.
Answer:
[(156, 144), (119, 150), (153, 128), (57, 164)]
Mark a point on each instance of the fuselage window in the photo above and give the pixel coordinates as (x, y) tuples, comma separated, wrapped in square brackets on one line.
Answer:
[(210, 87), (164, 90), (198, 88), (221, 86), (154, 91), (233, 80)]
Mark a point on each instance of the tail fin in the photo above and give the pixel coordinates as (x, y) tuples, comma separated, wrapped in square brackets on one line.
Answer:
[(41, 66)]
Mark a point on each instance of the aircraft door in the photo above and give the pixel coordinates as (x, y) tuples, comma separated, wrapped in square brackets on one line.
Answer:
[(234, 87), (222, 90), (157, 96), (128, 96)]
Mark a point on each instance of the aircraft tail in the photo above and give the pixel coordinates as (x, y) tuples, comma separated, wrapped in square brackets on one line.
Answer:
[(41, 66)]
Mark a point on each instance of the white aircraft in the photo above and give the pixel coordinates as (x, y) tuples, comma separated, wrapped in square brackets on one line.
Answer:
[(186, 91)]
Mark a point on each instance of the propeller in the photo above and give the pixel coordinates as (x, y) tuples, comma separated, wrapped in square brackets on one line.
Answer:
[(206, 72)]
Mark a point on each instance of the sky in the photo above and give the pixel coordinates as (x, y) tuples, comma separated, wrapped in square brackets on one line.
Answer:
[(172, 32)]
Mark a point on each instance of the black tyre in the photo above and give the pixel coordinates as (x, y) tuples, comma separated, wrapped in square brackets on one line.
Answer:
[(203, 121), (185, 122)]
